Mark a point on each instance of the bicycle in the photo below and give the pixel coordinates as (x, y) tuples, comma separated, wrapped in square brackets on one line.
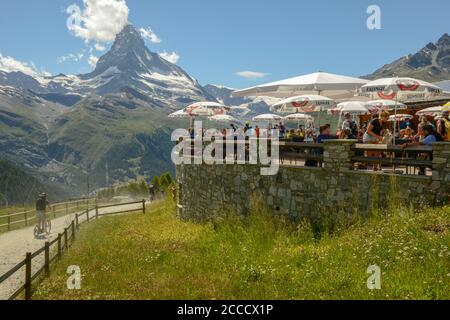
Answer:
[(47, 228)]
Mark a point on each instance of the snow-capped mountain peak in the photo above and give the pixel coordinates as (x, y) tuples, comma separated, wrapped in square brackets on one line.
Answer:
[(128, 64)]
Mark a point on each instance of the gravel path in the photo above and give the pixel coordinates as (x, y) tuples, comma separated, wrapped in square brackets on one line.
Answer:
[(15, 244)]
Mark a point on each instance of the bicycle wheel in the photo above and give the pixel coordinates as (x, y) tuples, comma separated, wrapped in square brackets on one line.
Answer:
[(36, 231), (48, 226)]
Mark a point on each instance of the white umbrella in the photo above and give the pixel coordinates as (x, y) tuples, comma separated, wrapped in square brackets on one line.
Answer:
[(304, 103), (377, 105), (400, 90), (206, 109), (267, 117), (298, 117), (223, 118), (180, 114), (322, 83), (430, 111), (400, 117), (352, 107)]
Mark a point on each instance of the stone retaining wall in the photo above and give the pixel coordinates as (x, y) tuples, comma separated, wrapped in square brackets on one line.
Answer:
[(208, 190)]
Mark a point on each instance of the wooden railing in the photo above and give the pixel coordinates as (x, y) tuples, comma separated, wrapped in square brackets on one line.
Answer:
[(15, 220), (390, 158), (57, 247), (412, 160), (293, 152)]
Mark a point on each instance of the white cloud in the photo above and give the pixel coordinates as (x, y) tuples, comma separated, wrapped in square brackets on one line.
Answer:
[(251, 74), (149, 35), (100, 20), (99, 47), (9, 64), (70, 57), (92, 60), (171, 57)]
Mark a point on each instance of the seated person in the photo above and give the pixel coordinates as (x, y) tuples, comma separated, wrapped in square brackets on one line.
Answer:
[(430, 136), (407, 133)]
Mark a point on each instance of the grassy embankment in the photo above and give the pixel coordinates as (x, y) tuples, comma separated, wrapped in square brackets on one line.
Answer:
[(157, 256)]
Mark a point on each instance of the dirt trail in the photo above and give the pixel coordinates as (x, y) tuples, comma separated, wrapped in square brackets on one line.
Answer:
[(15, 244)]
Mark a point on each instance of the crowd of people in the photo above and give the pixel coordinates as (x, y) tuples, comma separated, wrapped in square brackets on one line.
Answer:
[(379, 129)]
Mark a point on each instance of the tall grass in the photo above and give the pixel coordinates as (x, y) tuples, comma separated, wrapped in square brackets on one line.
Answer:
[(258, 256)]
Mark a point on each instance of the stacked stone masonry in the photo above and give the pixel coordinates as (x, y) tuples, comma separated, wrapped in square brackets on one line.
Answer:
[(205, 191)]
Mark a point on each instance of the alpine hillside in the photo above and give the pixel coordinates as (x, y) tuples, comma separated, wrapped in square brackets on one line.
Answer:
[(110, 124)]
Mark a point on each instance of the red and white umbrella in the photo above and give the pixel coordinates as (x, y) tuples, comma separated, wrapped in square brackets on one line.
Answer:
[(400, 89), (388, 105), (400, 117), (304, 103), (433, 111), (206, 109)]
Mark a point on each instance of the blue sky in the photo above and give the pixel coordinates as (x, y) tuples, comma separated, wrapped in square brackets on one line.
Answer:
[(215, 40)]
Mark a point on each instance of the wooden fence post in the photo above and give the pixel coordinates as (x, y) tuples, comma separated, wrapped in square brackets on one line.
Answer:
[(59, 245), (67, 208), (28, 276), (73, 230), (96, 211), (143, 206), (87, 215), (47, 258), (54, 212), (65, 238), (26, 218), (9, 221), (76, 220)]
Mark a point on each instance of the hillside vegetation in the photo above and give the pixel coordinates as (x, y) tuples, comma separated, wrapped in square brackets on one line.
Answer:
[(20, 187), (157, 256)]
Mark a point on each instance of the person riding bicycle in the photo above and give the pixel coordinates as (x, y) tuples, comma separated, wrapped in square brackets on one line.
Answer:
[(41, 208), (152, 192)]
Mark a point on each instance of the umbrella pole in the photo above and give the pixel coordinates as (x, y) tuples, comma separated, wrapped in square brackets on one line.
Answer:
[(395, 122)]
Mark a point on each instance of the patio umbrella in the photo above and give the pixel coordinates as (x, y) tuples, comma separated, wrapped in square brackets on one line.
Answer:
[(223, 118), (298, 117), (430, 111), (354, 108), (321, 83), (388, 105), (400, 90), (305, 103), (206, 109), (267, 117), (400, 117), (180, 114)]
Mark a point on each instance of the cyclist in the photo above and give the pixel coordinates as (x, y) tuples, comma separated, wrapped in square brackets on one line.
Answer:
[(152, 192), (41, 207)]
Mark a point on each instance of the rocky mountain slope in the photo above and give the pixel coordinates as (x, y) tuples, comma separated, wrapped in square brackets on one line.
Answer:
[(432, 63), (111, 123)]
